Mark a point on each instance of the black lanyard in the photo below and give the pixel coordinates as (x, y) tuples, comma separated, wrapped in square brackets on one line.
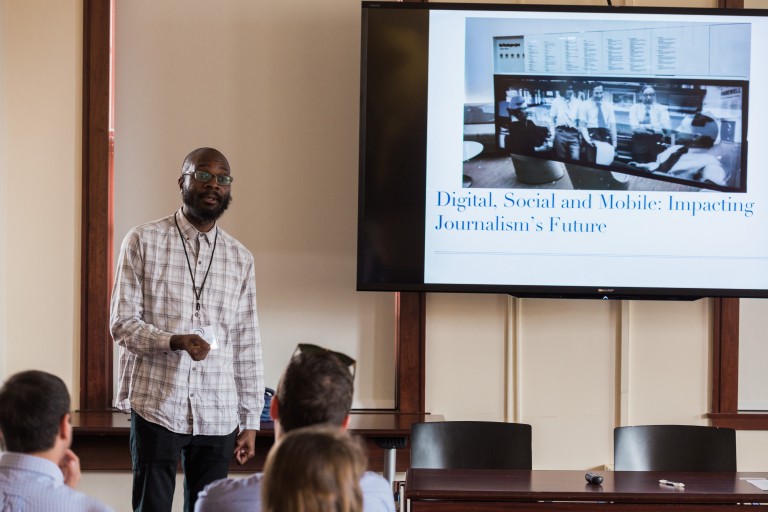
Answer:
[(189, 265)]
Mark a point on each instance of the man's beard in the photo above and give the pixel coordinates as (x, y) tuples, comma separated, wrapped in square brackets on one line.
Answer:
[(194, 206)]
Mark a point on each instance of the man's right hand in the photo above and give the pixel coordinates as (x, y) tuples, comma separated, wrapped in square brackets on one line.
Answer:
[(194, 345)]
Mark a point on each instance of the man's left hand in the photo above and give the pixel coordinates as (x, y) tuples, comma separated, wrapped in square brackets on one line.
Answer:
[(245, 446)]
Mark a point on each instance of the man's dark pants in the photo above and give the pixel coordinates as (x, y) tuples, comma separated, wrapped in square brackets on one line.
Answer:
[(155, 457)]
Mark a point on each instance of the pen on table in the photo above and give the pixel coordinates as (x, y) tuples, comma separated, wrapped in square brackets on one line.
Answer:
[(671, 483)]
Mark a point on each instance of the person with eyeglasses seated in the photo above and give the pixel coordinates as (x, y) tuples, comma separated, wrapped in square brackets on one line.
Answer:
[(524, 136), (39, 471), (314, 469), (316, 388), (183, 314)]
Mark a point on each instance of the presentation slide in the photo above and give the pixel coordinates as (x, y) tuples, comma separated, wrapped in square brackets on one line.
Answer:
[(579, 148)]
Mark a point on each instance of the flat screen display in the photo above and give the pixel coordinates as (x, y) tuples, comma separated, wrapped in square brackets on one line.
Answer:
[(563, 151)]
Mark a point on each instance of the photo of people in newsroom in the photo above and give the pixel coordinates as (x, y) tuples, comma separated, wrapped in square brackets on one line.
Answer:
[(607, 131)]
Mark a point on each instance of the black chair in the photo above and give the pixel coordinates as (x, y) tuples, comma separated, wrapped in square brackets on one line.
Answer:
[(471, 445), (674, 448)]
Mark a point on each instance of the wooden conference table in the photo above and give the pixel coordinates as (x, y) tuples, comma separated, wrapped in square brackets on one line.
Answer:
[(101, 440), (450, 490)]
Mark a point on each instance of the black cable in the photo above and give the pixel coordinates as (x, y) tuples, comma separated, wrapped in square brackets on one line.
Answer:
[(610, 4)]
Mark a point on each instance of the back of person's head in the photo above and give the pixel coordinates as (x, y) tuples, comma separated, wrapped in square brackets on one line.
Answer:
[(699, 130), (315, 388), (314, 469), (32, 404)]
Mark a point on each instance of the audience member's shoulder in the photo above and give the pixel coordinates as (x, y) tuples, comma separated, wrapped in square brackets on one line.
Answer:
[(76, 500), (377, 493), (91, 505), (231, 495)]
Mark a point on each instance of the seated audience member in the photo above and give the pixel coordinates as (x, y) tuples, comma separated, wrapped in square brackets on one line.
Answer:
[(689, 158), (38, 472), (525, 137), (316, 388), (314, 469)]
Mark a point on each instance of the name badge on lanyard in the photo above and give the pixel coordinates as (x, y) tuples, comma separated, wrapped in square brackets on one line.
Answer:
[(208, 333)]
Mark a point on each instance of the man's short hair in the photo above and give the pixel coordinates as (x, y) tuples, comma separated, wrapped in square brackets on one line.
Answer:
[(191, 159), (315, 388), (32, 404)]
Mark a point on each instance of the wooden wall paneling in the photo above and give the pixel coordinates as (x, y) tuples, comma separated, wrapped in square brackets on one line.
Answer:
[(95, 341)]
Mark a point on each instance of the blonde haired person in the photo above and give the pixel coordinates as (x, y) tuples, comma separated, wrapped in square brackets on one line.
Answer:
[(314, 469)]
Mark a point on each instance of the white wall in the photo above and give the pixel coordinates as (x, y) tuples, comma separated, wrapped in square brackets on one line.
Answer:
[(573, 369), (3, 193), (753, 353), (41, 142)]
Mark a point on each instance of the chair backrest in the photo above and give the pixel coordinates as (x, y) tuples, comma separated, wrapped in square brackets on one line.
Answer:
[(674, 448), (471, 445)]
